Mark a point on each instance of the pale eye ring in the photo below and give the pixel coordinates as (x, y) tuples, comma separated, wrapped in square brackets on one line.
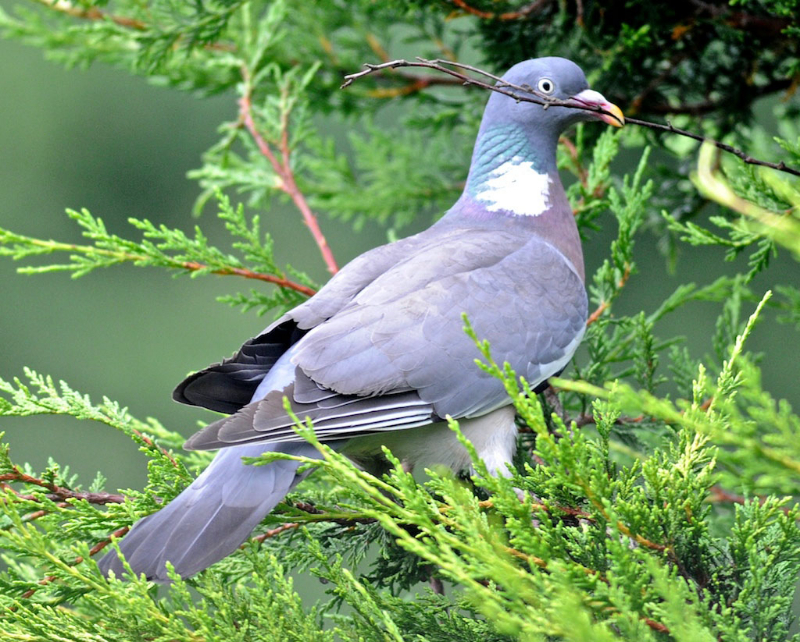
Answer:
[(546, 86)]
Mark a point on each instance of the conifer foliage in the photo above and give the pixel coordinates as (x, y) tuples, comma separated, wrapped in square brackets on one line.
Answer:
[(655, 490)]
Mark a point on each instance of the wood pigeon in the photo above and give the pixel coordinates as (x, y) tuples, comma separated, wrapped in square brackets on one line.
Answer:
[(379, 356)]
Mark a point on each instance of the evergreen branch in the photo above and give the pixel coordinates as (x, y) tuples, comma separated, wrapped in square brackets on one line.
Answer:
[(110, 249), (55, 491), (522, 93), (30, 517), (120, 532), (781, 228), (92, 13), (63, 400), (314, 515), (722, 496), (283, 167), (598, 312), (587, 419), (509, 15), (258, 539), (193, 266), (577, 164)]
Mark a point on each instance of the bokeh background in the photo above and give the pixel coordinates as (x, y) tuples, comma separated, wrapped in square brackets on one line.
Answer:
[(112, 143)]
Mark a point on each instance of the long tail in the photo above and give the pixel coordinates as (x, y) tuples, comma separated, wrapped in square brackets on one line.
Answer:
[(213, 516)]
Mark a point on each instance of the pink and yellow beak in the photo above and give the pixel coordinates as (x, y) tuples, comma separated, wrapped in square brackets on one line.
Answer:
[(611, 114)]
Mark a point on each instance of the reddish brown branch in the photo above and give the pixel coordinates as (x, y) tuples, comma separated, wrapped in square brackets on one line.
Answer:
[(121, 532), (272, 533), (656, 626), (249, 274), (572, 151), (283, 169), (154, 446), (719, 495), (92, 13), (57, 492), (190, 266), (509, 15), (594, 316), (529, 95), (586, 419)]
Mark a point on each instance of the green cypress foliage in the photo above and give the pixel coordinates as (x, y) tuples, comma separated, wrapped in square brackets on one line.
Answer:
[(653, 498)]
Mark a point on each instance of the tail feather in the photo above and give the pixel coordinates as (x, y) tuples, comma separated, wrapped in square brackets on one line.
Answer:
[(211, 518)]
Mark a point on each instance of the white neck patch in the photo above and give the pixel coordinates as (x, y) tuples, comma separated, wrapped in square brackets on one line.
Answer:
[(517, 188)]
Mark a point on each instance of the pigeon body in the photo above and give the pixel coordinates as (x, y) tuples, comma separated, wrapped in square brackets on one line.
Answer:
[(379, 358)]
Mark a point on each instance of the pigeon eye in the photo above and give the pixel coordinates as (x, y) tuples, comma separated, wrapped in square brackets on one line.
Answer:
[(546, 86)]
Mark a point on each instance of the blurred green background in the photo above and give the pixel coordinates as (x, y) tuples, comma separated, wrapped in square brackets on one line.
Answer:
[(107, 141)]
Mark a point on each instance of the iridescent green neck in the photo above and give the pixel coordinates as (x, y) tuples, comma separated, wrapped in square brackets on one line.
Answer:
[(511, 172), (496, 146)]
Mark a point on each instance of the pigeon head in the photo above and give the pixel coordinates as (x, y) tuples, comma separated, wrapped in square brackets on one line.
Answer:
[(513, 169), (557, 78)]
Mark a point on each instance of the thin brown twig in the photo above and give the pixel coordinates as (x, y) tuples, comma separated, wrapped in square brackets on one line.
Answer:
[(656, 626), (670, 128), (527, 94), (120, 532), (283, 169), (520, 93), (414, 84)]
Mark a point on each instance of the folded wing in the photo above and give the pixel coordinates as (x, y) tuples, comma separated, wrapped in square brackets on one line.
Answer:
[(395, 356)]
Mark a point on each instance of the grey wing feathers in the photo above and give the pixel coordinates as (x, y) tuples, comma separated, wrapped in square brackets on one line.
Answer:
[(229, 385), (530, 304), (334, 417), (394, 354)]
